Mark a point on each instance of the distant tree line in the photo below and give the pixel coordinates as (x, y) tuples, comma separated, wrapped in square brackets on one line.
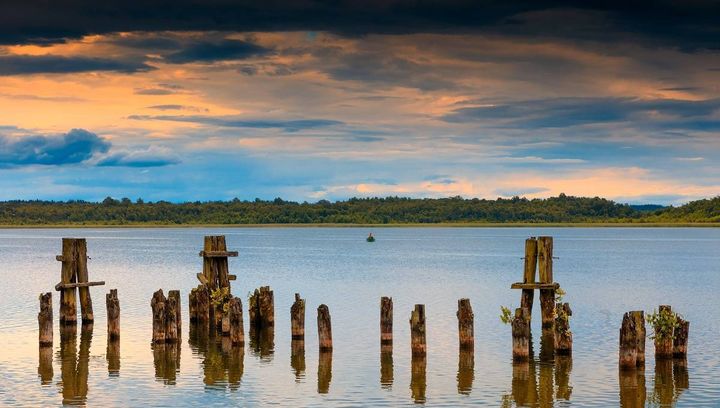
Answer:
[(388, 210)]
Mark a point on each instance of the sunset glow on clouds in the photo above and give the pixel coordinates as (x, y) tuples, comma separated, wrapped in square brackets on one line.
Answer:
[(188, 111)]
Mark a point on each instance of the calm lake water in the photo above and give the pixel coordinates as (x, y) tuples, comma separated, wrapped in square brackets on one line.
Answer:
[(605, 271)]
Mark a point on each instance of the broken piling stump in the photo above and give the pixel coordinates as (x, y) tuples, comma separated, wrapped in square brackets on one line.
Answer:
[(386, 320), (664, 336), (178, 315), (418, 343), (466, 331), (158, 309), (680, 342), (628, 342), (262, 308), (112, 304), (324, 328), (521, 334), (563, 335), (297, 318), (235, 317), (529, 272), (639, 317), (45, 324), (172, 334), (202, 305)]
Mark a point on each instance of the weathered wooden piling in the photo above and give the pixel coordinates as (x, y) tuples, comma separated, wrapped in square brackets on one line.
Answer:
[(664, 341), (529, 272), (235, 314), (262, 308), (86, 309), (628, 342), (545, 268), (68, 301), (112, 304), (159, 316), (386, 320), (215, 263), (45, 324), (418, 343), (466, 329), (324, 328), (172, 334), (297, 318), (680, 342), (226, 328), (639, 317), (563, 335), (521, 334), (202, 304), (178, 314), (192, 305)]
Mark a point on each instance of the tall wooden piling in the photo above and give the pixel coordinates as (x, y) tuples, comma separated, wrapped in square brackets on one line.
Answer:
[(664, 342), (466, 329), (545, 268), (418, 343), (68, 301), (215, 262), (521, 334), (386, 320), (86, 309), (324, 328), (563, 335), (297, 318), (159, 316), (172, 334), (628, 342), (45, 316), (235, 314), (529, 272), (112, 304), (680, 342), (178, 314), (639, 317)]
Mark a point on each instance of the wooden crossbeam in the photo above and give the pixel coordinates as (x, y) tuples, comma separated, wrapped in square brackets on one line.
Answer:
[(61, 286), (218, 254), (201, 277), (520, 285)]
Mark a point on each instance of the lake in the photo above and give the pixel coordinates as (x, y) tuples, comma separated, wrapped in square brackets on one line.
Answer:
[(605, 272)]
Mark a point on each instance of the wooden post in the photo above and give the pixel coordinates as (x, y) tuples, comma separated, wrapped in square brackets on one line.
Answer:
[(680, 343), (418, 343), (68, 302), (113, 314), (386, 320), (639, 318), (171, 323), (297, 318), (192, 305), (178, 315), (628, 342), (262, 308), (202, 301), (521, 334), (159, 317), (531, 255), (45, 324), (226, 326), (324, 328), (235, 312), (563, 335), (466, 330), (545, 266), (664, 345), (86, 309), (215, 269)]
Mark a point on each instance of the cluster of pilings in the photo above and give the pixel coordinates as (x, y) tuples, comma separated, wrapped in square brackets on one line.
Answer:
[(670, 338)]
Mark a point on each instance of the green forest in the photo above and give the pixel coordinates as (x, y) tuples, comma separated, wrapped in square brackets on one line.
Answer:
[(388, 210)]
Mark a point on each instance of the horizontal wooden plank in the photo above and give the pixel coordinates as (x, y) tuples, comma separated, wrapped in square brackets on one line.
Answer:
[(218, 254), (61, 286), (519, 285), (232, 277), (202, 278)]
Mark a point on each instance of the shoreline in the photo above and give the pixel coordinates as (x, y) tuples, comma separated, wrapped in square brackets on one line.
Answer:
[(403, 225)]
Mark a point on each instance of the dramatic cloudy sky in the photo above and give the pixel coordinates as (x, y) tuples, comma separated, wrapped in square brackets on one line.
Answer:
[(308, 100)]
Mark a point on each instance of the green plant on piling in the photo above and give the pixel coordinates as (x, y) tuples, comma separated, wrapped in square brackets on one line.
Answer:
[(219, 297), (664, 323), (559, 295), (505, 315)]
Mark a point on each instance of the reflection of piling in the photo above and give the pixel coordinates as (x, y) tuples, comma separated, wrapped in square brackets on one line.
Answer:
[(386, 320), (632, 388), (45, 365), (74, 364), (297, 318), (528, 295), (324, 371), (663, 387), (418, 343), (262, 342), (563, 367), (466, 331), (113, 357), (524, 385), (235, 316), (166, 358), (418, 378), (521, 335), (113, 314), (45, 324), (681, 377), (466, 371), (386, 367), (297, 358), (546, 386), (324, 328)]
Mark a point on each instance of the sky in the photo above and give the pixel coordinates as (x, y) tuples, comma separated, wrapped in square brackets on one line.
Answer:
[(309, 100)]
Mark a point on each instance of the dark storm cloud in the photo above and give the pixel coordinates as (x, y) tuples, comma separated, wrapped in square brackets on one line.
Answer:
[(566, 112), (54, 64), (687, 25), (207, 52), (76, 146), (235, 122)]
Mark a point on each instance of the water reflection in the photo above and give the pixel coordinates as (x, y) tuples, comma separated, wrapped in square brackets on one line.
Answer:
[(324, 371), (466, 371), (563, 367), (74, 363), (262, 342), (113, 357), (671, 380), (223, 364), (297, 359), (386, 366), (632, 388), (418, 378), (166, 358), (45, 364)]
